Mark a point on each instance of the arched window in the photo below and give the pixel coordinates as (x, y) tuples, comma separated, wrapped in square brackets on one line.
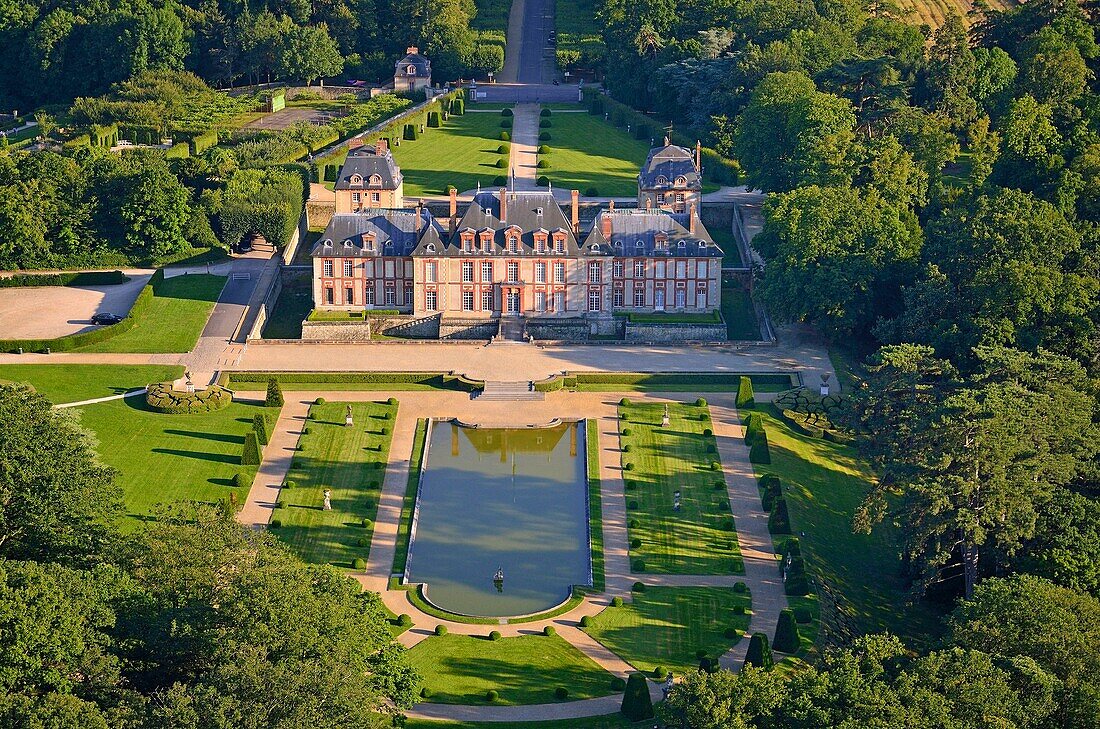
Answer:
[(639, 246), (682, 244), (681, 181), (375, 180), (411, 70), (662, 180), (356, 179)]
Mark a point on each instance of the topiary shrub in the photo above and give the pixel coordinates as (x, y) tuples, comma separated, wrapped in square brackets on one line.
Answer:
[(740, 587), (637, 706), (659, 672), (367, 523), (544, 137), (543, 181), (627, 448), (585, 621), (624, 402), (715, 466), (501, 164), (411, 132), (745, 398), (561, 693), (362, 542), (426, 693), (544, 149), (754, 426), (241, 480), (627, 431), (638, 587), (504, 136), (441, 630), (635, 543), (545, 124), (730, 633), (391, 401), (786, 632), (545, 111), (275, 523), (542, 164), (274, 397), (759, 451), (633, 523), (759, 653), (502, 149), (707, 432), (628, 466), (494, 635), (779, 521), (491, 696), (618, 683), (359, 563), (700, 403), (404, 620), (549, 631), (616, 602), (638, 565), (458, 107), (434, 119), (319, 401), (251, 454), (632, 504), (738, 609), (500, 181), (771, 490), (803, 615), (506, 111), (718, 485), (259, 425)]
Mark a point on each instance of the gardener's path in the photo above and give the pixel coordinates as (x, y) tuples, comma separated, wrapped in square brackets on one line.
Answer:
[(761, 571), (524, 149)]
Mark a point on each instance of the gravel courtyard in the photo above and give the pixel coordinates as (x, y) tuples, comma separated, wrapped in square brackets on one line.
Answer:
[(45, 312)]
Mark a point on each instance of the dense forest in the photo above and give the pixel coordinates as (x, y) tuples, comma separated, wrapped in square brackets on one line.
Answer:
[(56, 52)]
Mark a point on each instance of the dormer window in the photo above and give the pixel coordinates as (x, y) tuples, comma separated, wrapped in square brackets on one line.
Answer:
[(682, 244), (662, 180), (430, 248), (681, 181), (410, 69), (375, 180), (538, 211), (513, 244), (541, 246), (467, 245), (368, 242), (355, 179), (639, 246)]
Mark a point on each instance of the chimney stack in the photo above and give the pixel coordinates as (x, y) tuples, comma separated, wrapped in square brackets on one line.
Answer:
[(503, 195), (412, 50), (691, 219), (698, 156), (648, 204), (381, 146), (605, 226), (576, 219), (355, 143), (419, 214), (454, 209)]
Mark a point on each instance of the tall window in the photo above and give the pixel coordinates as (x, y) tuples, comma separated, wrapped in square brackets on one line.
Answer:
[(487, 300), (430, 300), (617, 269), (595, 272), (681, 297), (467, 300), (639, 296), (349, 267), (540, 301), (513, 271), (513, 244), (540, 272), (559, 246), (467, 272), (559, 272), (368, 295), (430, 271), (356, 197), (639, 269), (329, 296), (408, 296), (391, 296), (349, 295), (593, 299), (486, 271), (617, 298), (559, 301), (327, 268)]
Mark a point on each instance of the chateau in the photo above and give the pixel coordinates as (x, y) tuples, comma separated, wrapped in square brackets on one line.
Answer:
[(512, 253)]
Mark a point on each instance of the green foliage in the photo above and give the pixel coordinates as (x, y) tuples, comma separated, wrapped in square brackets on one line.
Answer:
[(494, 635), (779, 521), (759, 653), (504, 136), (89, 278), (745, 394), (771, 490), (637, 705), (549, 631), (544, 136), (268, 202), (434, 119), (786, 633), (259, 424), (441, 630), (274, 396), (251, 455), (163, 399), (759, 452), (616, 602)]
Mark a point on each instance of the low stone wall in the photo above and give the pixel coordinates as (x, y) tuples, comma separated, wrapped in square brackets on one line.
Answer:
[(336, 331), (674, 332), (455, 328), (408, 326), (561, 330)]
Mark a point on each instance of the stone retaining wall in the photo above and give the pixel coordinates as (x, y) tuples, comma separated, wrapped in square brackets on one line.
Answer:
[(674, 332), (336, 331), (455, 328), (561, 330)]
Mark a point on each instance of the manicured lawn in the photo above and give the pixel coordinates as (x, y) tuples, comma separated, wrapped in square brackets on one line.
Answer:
[(401, 552), (350, 462), (460, 669), (824, 483), (595, 503), (723, 236), (740, 316), (586, 152), (170, 458), (291, 308), (461, 153), (75, 382), (175, 319), (611, 721), (698, 539), (665, 626)]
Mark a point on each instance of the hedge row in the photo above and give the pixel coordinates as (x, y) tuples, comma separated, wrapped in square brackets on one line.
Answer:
[(434, 379), (163, 399), (673, 378), (72, 341), (88, 278), (202, 142)]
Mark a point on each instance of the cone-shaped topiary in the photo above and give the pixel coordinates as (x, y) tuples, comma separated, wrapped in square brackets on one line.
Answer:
[(274, 397), (259, 425), (771, 491), (786, 633), (759, 653), (759, 451), (250, 455), (779, 521), (744, 393), (754, 426), (637, 706)]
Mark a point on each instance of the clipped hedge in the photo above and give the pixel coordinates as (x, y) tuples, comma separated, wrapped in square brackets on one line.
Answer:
[(759, 452), (754, 427), (434, 119), (779, 521), (637, 705), (179, 150), (441, 380), (89, 278), (161, 398), (771, 490), (759, 653), (786, 633), (251, 454), (745, 397), (202, 142)]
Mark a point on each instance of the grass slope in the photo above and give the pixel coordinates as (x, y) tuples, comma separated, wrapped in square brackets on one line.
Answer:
[(665, 626), (595, 503), (698, 539), (740, 316), (175, 319), (462, 153), (75, 382), (351, 463), (587, 152), (401, 550), (824, 483), (460, 669), (170, 458)]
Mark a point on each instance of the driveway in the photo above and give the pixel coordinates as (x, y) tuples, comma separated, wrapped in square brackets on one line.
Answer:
[(46, 312)]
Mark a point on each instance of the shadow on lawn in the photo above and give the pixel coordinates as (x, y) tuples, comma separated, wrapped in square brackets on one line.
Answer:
[(202, 456), (220, 437)]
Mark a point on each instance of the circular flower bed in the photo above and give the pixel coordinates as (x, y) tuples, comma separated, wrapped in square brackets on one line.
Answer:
[(163, 399)]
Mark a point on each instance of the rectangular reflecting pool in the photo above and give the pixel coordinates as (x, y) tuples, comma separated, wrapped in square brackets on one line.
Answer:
[(507, 500)]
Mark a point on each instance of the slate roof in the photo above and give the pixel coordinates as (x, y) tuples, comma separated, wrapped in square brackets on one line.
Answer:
[(394, 231), (422, 66), (364, 162), (630, 226), (665, 164), (529, 211)]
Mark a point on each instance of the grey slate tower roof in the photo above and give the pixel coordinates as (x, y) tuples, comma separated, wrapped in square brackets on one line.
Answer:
[(395, 233), (631, 227), (665, 164), (419, 66), (528, 211), (366, 162)]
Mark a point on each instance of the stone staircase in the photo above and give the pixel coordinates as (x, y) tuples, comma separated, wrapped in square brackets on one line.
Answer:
[(512, 329), (509, 391)]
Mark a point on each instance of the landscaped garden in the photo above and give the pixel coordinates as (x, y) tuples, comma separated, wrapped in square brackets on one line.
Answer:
[(461, 153), (75, 382), (174, 319), (666, 627), (592, 156), (692, 533), (528, 669), (350, 462)]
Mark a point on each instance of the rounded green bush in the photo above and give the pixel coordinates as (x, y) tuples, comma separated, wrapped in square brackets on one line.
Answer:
[(633, 523), (543, 181), (426, 693), (630, 485), (627, 448), (627, 431), (635, 543), (545, 124), (319, 401), (391, 401), (723, 506), (618, 683), (638, 587), (638, 566), (549, 631), (585, 621), (359, 563), (545, 137), (502, 149), (628, 467), (544, 149), (707, 432), (491, 695), (241, 480), (384, 430), (506, 111), (362, 542), (633, 504), (504, 136), (500, 181), (545, 111), (366, 523), (404, 620), (701, 403), (659, 672), (592, 192), (719, 485), (561, 692), (740, 587), (501, 164), (441, 630), (494, 635), (616, 602), (542, 164), (715, 466), (275, 523), (625, 402), (730, 633)]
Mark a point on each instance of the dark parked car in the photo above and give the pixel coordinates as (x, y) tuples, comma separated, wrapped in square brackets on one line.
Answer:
[(106, 318)]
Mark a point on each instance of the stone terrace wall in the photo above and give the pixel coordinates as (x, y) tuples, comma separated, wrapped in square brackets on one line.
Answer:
[(562, 330), (455, 328), (673, 332), (336, 331)]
